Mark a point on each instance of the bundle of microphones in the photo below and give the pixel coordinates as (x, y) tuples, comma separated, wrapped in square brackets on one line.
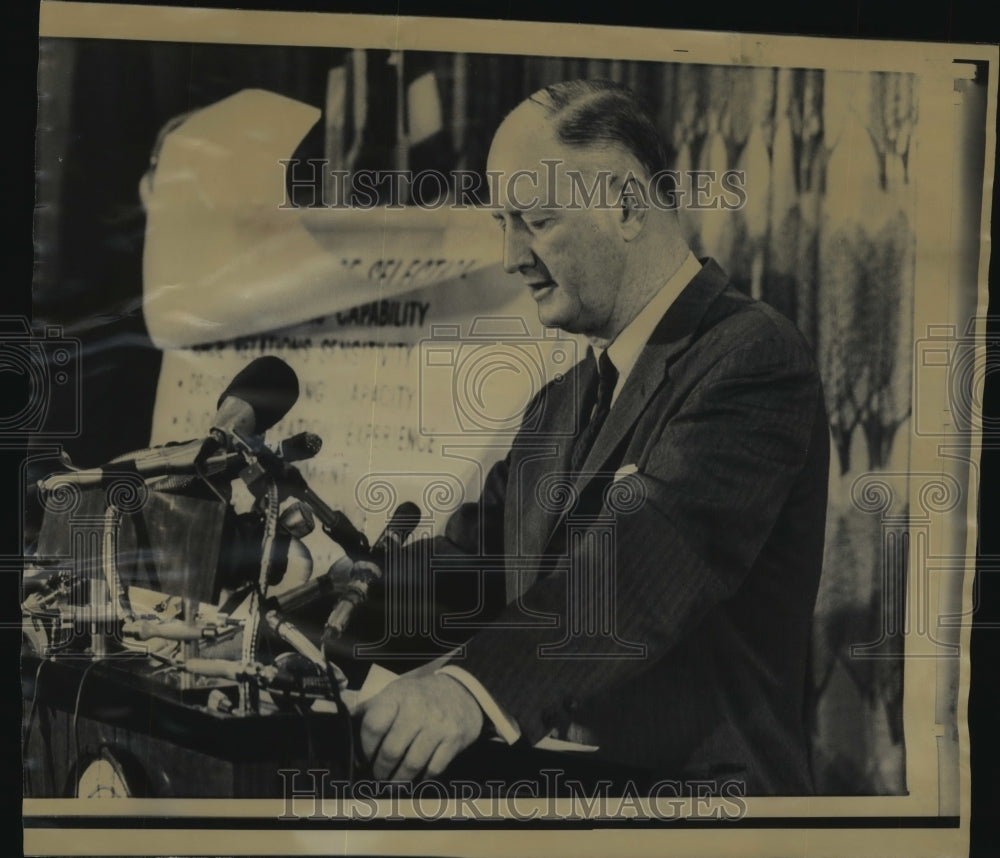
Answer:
[(255, 400)]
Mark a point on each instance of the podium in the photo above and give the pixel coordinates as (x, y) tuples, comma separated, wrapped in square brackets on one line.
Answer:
[(105, 729), (108, 727)]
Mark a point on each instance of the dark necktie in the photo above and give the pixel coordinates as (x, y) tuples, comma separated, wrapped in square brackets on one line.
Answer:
[(600, 401)]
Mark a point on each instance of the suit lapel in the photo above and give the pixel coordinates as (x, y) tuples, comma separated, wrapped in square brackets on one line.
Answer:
[(540, 472), (669, 340)]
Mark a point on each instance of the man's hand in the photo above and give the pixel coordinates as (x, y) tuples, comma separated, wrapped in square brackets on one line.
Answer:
[(416, 725)]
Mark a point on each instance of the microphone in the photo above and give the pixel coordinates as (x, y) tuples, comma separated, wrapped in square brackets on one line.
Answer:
[(303, 445), (258, 397), (264, 464), (366, 572), (298, 597), (169, 460), (403, 522)]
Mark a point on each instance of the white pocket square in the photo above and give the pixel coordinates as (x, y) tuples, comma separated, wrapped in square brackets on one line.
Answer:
[(625, 470)]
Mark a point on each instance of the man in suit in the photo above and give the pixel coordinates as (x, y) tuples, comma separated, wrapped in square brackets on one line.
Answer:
[(697, 480)]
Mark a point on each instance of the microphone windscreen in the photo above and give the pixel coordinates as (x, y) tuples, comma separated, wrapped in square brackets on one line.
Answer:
[(269, 386), (399, 527), (405, 519), (407, 511), (302, 445)]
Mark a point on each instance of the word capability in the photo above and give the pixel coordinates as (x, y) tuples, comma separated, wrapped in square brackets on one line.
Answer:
[(382, 314)]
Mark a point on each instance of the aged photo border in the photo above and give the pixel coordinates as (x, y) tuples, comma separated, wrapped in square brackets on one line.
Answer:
[(424, 34)]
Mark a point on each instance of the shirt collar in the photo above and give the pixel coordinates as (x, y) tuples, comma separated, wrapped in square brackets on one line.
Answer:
[(624, 350)]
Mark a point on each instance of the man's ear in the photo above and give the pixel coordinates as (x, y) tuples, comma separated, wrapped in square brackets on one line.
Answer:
[(633, 205)]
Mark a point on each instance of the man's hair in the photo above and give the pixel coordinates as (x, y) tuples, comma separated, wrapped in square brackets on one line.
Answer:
[(602, 112)]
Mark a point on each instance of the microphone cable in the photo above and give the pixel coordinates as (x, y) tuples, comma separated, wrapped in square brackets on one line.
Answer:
[(32, 714), (345, 716), (76, 717)]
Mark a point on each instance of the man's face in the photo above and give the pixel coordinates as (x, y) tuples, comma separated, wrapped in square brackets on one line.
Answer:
[(572, 259)]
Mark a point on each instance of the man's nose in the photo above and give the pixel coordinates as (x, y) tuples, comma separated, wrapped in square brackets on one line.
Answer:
[(517, 253)]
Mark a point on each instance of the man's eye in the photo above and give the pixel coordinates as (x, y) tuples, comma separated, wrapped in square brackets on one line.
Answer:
[(538, 223)]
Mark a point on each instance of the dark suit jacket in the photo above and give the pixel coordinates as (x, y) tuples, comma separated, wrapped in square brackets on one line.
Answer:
[(707, 556)]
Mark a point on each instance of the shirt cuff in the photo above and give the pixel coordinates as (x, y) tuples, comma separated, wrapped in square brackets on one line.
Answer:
[(505, 726)]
